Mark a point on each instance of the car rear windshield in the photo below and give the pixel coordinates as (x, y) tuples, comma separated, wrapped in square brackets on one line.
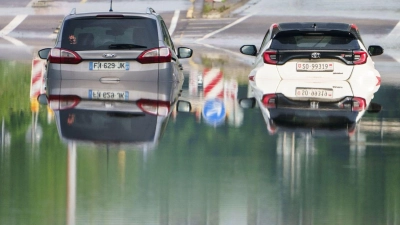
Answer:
[(109, 33), (314, 40)]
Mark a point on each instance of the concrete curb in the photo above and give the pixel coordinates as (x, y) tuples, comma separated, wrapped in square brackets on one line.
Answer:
[(196, 10), (226, 13)]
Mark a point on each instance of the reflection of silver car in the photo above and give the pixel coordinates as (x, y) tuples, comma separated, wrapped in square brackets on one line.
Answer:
[(123, 61), (108, 126)]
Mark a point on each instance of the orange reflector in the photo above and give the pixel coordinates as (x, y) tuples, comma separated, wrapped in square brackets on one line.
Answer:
[(34, 105)]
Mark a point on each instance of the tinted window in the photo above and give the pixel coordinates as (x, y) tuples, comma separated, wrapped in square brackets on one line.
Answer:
[(109, 33), (299, 41)]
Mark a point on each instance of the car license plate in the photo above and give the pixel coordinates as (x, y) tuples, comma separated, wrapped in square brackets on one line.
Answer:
[(314, 67), (108, 65), (313, 92), (109, 95)]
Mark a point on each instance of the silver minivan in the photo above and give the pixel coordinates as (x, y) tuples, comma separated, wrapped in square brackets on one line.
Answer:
[(118, 61)]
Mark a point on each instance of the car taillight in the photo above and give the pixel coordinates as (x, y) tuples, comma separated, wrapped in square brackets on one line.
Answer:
[(252, 78), (160, 108), (358, 104), (155, 55), (269, 100), (269, 57), (351, 130), (60, 102), (353, 26), (64, 56), (379, 81), (272, 128), (360, 57)]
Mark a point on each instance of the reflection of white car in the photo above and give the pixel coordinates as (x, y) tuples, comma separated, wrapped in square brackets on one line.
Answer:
[(313, 71)]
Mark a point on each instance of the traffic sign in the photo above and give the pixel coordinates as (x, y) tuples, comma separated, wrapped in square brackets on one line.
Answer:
[(214, 111)]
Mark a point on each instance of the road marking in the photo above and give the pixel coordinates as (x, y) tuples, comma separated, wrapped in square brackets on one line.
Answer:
[(394, 35), (12, 25), (174, 21), (224, 28), (14, 41)]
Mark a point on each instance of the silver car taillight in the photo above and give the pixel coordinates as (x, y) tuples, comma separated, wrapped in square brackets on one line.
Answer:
[(155, 55), (60, 102), (159, 108), (64, 56)]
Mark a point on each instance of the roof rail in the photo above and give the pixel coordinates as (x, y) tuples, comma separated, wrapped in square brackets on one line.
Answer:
[(73, 11), (150, 10)]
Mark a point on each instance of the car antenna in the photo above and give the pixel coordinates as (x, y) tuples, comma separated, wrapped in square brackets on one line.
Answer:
[(111, 6)]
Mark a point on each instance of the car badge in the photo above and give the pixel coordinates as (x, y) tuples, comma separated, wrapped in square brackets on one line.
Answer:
[(109, 55), (315, 55)]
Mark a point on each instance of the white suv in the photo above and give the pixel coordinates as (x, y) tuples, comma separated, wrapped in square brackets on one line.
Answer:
[(314, 71)]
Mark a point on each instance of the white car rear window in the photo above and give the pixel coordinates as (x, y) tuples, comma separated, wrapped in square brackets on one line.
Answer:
[(305, 41)]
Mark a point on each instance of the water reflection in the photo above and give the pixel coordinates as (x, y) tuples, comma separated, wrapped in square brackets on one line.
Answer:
[(317, 117), (197, 173)]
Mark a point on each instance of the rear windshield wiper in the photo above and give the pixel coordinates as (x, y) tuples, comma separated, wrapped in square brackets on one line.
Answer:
[(125, 46)]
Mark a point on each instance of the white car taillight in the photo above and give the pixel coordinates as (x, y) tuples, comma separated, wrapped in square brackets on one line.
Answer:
[(64, 56), (160, 108), (270, 57), (155, 55), (60, 102), (360, 57), (269, 100), (358, 104)]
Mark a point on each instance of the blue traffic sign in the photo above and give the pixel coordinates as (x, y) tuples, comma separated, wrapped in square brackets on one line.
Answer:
[(214, 111)]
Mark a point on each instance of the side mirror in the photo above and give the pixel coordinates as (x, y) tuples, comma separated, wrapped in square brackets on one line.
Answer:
[(374, 108), (42, 99), (184, 52), (249, 50), (183, 106), (44, 53), (247, 103), (375, 50)]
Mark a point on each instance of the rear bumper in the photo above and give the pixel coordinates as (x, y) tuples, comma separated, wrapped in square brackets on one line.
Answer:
[(313, 113), (342, 105), (313, 117)]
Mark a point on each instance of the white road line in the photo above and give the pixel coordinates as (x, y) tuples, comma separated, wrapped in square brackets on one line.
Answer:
[(224, 28), (394, 37), (174, 21), (12, 25), (395, 31), (14, 41)]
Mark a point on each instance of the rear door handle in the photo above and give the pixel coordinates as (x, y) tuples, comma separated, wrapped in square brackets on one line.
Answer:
[(109, 80)]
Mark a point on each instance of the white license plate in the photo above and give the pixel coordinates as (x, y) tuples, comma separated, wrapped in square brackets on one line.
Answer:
[(109, 95), (108, 65), (314, 67), (314, 93)]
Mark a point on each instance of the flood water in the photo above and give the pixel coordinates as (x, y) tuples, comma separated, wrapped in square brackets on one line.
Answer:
[(202, 170)]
